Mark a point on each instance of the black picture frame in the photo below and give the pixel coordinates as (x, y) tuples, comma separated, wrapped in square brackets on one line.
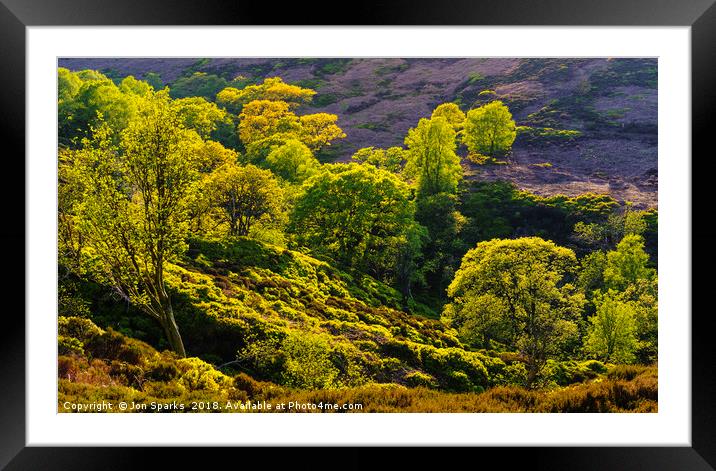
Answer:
[(16, 15)]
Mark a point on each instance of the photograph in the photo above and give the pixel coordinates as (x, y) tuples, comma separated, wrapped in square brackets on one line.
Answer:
[(357, 234)]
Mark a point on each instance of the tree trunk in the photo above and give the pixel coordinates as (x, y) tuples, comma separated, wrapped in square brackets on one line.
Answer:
[(171, 330), (532, 372)]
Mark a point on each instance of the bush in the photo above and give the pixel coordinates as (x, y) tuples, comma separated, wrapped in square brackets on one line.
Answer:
[(112, 345), (418, 378), (516, 373), (197, 375), (77, 327), (308, 362), (69, 345), (163, 370)]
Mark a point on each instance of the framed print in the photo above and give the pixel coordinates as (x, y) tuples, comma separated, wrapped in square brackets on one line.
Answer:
[(420, 229)]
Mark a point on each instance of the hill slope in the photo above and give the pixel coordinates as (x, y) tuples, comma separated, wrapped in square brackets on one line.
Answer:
[(612, 102), (307, 332)]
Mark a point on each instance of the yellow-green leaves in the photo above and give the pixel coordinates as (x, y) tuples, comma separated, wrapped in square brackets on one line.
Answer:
[(292, 161), (272, 121), (132, 213), (515, 292), (245, 196), (612, 331), (452, 113), (356, 214), (261, 119), (272, 89), (489, 130), (391, 159), (431, 157)]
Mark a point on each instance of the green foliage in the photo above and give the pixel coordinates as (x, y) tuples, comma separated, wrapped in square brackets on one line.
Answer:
[(591, 275), (148, 376), (452, 113), (273, 122), (246, 197), (565, 373), (627, 264), (293, 161), (499, 209), (355, 214), (607, 233), (331, 66), (200, 115), (87, 98), (475, 77), (612, 333), (431, 157), (418, 378), (154, 80), (625, 72), (442, 253), (308, 362), (272, 89), (324, 99), (516, 292), (391, 159), (546, 136), (199, 84), (146, 200), (489, 130), (132, 214)]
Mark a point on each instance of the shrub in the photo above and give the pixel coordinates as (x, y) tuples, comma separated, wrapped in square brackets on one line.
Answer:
[(418, 378), (77, 327), (196, 375), (308, 362), (516, 373), (69, 345), (163, 370)]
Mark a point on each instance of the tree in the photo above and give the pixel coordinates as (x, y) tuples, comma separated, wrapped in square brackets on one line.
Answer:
[(87, 97), (133, 213), (68, 85), (612, 330), (489, 129), (444, 248), (272, 89), (246, 196), (211, 155), (407, 270), (431, 157), (132, 86), (619, 223), (391, 159), (198, 84), (208, 157), (356, 214), (643, 296), (261, 119), (273, 121), (627, 264), (319, 129), (200, 115), (292, 161), (591, 276), (516, 292), (155, 80), (452, 113)]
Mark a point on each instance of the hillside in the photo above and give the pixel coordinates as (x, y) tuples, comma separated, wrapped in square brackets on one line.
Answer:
[(359, 231), (259, 302), (313, 327), (611, 102)]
